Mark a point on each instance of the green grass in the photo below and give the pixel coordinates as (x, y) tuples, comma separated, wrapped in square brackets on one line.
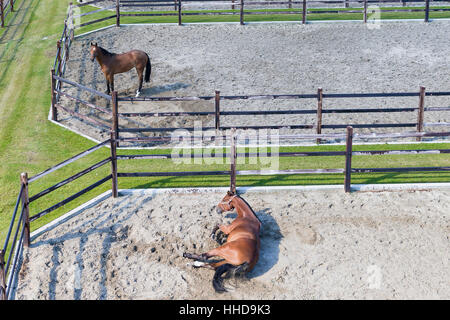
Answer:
[(29, 142)]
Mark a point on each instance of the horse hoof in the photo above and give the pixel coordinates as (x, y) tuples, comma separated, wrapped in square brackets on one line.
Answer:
[(198, 264), (138, 93)]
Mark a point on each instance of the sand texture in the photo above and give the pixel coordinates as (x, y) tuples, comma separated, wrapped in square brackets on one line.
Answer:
[(314, 245)]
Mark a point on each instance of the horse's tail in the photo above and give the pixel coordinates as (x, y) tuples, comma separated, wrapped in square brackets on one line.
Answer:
[(230, 270), (148, 69)]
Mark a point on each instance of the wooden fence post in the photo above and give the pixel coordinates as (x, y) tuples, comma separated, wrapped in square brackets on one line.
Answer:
[(304, 12), (115, 116), (58, 54), (232, 4), (179, 12), (290, 4), (365, 11), (233, 155), (348, 159), (427, 10), (2, 14), (114, 164), (217, 110), (54, 110), (319, 112), (2, 276), (241, 14), (11, 2), (420, 114), (117, 13), (26, 209), (72, 22), (66, 47)]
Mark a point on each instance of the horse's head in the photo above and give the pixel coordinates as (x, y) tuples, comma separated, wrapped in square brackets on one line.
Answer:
[(93, 50), (225, 204)]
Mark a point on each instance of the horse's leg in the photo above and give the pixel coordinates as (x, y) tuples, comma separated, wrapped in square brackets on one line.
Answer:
[(140, 72), (220, 237), (112, 82), (108, 91), (214, 230), (234, 252), (227, 229)]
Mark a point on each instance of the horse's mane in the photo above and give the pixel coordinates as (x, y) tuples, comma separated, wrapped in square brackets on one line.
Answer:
[(250, 208), (106, 52)]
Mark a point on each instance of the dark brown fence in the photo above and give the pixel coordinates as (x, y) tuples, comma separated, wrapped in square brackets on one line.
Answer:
[(59, 64), (56, 104), (320, 96), (116, 116), (21, 219), (6, 7), (301, 9)]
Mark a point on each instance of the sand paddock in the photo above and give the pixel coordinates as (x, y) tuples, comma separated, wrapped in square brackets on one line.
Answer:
[(196, 60), (314, 245)]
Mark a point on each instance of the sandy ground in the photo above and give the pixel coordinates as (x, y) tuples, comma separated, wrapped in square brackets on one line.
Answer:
[(314, 245), (196, 60)]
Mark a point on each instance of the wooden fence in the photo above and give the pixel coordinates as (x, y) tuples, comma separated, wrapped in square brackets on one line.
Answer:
[(302, 8), (21, 219), (116, 116), (348, 153), (6, 7), (320, 96)]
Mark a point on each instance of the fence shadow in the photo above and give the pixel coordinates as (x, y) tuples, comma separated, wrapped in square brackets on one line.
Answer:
[(13, 30), (98, 225)]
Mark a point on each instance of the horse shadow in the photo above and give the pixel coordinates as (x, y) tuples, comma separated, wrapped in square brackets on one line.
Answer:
[(270, 237)]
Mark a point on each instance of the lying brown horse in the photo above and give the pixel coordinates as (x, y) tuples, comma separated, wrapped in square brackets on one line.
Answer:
[(241, 250), (112, 63)]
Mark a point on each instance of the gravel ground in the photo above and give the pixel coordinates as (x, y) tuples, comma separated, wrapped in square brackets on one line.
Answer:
[(314, 245), (195, 60)]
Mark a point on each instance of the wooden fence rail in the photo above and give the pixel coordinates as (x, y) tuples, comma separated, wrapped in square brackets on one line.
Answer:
[(319, 111), (347, 170), (219, 113)]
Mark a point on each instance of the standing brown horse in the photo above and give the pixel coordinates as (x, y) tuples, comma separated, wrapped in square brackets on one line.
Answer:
[(112, 63), (241, 250)]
